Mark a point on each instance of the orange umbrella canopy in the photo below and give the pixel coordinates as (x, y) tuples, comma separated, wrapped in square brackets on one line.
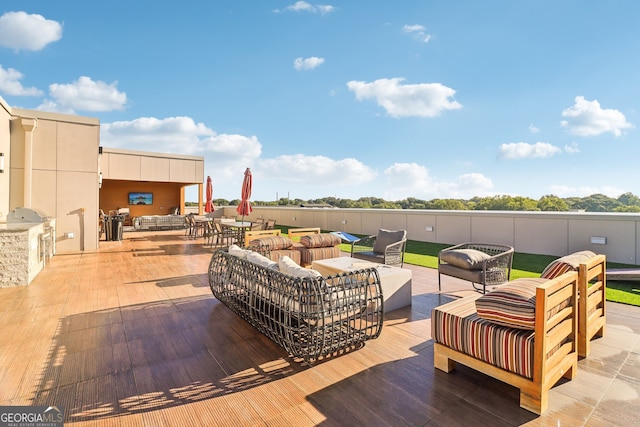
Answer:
[(244, 208), (208, 207)]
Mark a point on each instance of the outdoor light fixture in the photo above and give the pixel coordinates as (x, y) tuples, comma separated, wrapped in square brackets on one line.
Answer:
[(598, 240), (1, 162)]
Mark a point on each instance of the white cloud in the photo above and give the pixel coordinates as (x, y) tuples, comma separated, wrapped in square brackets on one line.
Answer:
[(411, 100), (303, 6), (225, 154), (10, 84), (19, 30), (533, 129), (523, 150), (316, 170), (413, 180), (571, 149), (418, 32), (310, 63), (562, 190), (587, 118), (85, 95)]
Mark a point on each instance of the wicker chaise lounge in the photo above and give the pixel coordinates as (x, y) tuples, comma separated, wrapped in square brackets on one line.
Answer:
[(310, 316)]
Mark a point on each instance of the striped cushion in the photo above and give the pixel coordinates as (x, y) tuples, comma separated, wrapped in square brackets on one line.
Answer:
[(308, 255), (512, 305), (566, 263), (320, 240), (291, 253), (458, 326), (273, 243)]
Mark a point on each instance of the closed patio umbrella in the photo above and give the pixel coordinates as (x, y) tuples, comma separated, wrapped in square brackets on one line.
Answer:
[(208, 207), (244, 208)]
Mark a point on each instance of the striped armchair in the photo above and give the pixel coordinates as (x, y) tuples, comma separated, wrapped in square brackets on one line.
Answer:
[(507, 334)]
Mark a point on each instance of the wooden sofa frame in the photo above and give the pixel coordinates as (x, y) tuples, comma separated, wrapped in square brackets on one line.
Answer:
[(551, 330), (592, 288), (309, 317), (296, 233), (256, 234)]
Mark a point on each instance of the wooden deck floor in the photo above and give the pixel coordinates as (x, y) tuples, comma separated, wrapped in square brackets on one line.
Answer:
[(131, 335)]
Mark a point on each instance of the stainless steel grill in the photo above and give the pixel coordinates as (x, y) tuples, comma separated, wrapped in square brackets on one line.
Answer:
[(27, 215)]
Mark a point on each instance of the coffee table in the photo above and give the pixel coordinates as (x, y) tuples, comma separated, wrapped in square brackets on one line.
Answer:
[(395, 281)]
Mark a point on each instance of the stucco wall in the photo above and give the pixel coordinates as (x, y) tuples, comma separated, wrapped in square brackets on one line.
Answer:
[(4, 149), (64, 173)]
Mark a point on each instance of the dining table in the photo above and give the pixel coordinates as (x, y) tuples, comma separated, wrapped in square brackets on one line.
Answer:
[(238, 228)]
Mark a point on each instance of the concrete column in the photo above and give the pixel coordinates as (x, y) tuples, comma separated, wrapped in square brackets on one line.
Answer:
[(29, 125)]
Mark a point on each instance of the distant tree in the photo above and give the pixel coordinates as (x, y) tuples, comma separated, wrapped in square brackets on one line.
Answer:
[(447, 204), (629, 199), (507, 203), (552, 203), (630, 208), (599, 203)]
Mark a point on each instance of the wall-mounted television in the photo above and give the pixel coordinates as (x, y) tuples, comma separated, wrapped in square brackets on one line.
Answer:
[(140, 198)]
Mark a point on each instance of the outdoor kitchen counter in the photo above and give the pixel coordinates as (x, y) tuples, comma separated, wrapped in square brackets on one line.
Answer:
[(26, 248)]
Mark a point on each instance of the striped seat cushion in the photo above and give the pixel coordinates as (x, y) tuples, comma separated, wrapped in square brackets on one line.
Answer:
[(458, 326), (308, 255), (566, 263)]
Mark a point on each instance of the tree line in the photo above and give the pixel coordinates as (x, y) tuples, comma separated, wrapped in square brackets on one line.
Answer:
[(627, 202)]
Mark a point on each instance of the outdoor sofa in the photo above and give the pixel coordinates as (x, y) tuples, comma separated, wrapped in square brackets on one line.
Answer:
[(160, 222), (308, 315), (303, 245)]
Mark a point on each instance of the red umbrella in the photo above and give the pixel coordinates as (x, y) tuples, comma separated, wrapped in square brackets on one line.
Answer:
[(244, 208), (208, 207)]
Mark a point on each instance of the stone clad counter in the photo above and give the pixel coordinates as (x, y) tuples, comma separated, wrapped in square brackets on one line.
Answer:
[(25, 250)]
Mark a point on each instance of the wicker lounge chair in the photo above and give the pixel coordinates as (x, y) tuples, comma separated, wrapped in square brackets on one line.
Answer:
[(386, 247), (481, 264)]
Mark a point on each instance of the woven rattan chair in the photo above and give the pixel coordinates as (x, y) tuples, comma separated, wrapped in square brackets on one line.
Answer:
[(482, 264), (386, 247)]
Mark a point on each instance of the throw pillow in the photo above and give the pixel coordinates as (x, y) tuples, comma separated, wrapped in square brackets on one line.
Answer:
[(289, 266), (236, 250), (261, 260), (273, 243), (323, 240), (569, 262), (468, 259), (512, 305), (386, 238)]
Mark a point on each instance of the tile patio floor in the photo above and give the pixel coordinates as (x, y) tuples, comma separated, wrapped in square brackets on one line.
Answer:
[(131, 335)]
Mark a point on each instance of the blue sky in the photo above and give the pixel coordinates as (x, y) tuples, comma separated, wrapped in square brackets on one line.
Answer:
[(412, 98)]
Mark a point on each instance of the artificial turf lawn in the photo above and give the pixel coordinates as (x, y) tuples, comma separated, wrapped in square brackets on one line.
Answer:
[(425, 254)]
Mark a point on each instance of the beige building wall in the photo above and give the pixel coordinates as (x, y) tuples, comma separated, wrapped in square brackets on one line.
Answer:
[(5, 149), (54, 168), (547, 233)]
